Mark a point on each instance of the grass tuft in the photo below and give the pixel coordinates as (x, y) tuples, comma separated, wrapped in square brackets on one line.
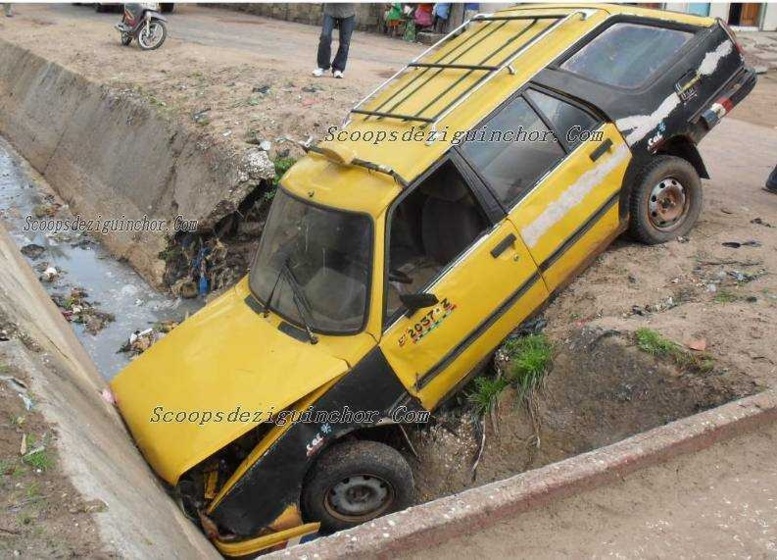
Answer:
[(653, 343), (485, 393), (530, 359), (39, 460)]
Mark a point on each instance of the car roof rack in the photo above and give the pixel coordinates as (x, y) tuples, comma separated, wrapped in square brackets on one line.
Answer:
[(493, 23)]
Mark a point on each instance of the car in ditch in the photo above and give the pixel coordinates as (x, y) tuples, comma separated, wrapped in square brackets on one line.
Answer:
[(454, 201)]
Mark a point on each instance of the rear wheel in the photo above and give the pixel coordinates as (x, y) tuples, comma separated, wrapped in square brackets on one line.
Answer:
[(355, 482), (666, 200), (152, 36), (126, 39)]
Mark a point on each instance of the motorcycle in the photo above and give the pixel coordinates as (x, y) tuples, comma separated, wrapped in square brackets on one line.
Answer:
[(145, 23)]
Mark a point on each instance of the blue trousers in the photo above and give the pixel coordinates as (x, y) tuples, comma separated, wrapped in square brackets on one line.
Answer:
[(345, 30)]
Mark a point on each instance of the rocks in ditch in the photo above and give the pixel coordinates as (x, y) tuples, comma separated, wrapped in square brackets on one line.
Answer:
[(32, 250)]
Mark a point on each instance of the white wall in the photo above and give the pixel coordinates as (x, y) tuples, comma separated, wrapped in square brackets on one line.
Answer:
[(769, 21)]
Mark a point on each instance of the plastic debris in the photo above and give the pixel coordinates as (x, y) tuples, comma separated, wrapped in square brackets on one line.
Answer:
[(49, 275), (140, 341)]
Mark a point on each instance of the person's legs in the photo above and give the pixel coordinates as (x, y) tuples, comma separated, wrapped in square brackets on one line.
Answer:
[(347, 26), (7, 9), (325, 42)]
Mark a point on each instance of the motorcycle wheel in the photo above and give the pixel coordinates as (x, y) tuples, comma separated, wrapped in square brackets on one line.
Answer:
[(126, 39), (153, 37)]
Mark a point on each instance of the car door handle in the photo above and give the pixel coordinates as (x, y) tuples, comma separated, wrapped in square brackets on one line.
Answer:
[(601, 150), (503, 245)]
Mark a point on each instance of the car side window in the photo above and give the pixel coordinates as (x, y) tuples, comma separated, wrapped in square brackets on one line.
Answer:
[(428, 229), (573, 125), (626, 55), (515, 149)]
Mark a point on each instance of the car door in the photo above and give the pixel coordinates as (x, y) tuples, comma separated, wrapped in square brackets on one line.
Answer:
[(559, 176), (443, 240)]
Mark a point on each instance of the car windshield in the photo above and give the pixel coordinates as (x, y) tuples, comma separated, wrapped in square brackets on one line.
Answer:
[(315, 263)]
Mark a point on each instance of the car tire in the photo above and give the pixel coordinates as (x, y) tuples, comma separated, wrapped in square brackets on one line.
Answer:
[(665, 201), (354, 482)]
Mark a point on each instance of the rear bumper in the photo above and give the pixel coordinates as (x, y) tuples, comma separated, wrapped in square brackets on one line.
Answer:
[(729, 97)]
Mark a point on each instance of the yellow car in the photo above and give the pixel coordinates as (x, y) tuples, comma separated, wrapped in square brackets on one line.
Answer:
[(399, 253)]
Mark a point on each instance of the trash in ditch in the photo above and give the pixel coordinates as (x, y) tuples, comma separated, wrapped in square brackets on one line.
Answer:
[(745, 277), (201, 117), (23, 445), (19, 387), (261, 89), (77, 309), (47, 209), (760, 222), (108, 396), (49, 275), (33, 250), (738, 244), (4, 336), (140, 341)]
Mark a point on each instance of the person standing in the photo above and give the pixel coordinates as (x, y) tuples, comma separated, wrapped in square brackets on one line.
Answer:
[(344, 17), (7, 9)]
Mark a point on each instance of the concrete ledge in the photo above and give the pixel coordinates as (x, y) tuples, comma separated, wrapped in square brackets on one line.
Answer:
[(110, 154), (429, 524), (95, 451)]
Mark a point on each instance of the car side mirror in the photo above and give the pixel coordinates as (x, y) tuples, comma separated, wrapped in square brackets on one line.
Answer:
[(421, 300)]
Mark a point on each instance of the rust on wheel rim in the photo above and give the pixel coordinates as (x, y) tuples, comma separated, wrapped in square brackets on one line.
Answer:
[(668, 204)]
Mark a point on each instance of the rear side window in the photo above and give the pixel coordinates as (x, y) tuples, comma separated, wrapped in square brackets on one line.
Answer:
[(626, 55), (516, 150), (572, 124)]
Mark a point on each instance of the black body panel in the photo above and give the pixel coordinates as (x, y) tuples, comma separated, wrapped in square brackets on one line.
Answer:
[(275, 481), (651, 116)]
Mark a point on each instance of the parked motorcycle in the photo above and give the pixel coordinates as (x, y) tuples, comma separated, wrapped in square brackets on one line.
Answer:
[(145, 23)]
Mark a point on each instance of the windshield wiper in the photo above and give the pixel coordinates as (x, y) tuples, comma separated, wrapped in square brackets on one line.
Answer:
[(299, 299)]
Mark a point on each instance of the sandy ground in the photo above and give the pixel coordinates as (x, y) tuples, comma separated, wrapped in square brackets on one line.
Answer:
[(718, 503)]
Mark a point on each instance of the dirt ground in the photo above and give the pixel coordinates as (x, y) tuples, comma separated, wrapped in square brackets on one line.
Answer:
[(600, 390), (41, 514), (231, 75)]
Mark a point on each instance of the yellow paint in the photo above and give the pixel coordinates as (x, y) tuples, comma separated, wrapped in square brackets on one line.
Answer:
[(265, 542), (226, 355), (477, 285)]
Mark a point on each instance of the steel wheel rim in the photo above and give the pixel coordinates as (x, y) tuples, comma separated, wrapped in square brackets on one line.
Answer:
[(152, 37), (359, 497), (668, 204)]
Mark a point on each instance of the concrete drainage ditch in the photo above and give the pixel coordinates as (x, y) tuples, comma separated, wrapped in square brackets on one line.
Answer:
[(600, 390)]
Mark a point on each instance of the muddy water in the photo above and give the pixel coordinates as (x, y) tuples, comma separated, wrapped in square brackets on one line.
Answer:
[(111, 285)]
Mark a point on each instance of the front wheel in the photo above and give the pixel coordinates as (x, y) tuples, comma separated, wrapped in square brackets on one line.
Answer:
[(355, 482), (665, 200), (152, 36)]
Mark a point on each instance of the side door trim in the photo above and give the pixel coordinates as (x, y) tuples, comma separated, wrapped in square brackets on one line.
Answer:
[(477, 332)]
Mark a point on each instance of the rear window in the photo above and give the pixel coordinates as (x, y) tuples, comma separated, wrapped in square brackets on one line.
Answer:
[(626, 55)]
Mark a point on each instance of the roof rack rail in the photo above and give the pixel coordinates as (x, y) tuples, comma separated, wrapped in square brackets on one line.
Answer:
[(490, 71)]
